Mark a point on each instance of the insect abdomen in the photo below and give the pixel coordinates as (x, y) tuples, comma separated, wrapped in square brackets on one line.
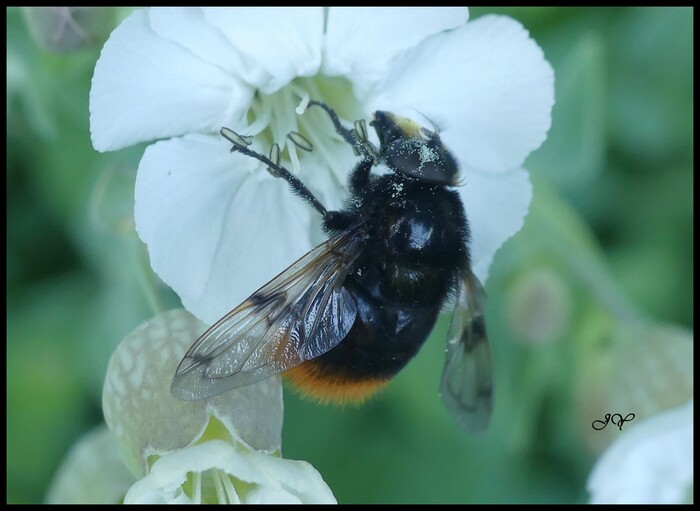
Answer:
[(380, 343), (399, 285)]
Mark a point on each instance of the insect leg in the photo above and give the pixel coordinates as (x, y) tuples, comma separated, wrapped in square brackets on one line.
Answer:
[(356, 137), (347, 134), (240, 144), (359, 179)]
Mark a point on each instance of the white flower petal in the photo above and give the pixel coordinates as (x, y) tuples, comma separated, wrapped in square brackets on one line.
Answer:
[(327, 177), (360, 41), (496, 206), (487, 81), (146, 419), (273, 479), (263, 495), (146, 87), (296, 477), (216, 224), (650, 463), (187, 27), (285, 42), (92, 473)]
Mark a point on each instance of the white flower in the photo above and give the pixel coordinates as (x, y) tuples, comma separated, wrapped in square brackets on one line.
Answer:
[(650, 463), (222, 449), (147, 420), (216, 224), (216, 471)]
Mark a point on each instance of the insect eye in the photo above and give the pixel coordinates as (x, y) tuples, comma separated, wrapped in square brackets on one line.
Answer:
[(424, 160)]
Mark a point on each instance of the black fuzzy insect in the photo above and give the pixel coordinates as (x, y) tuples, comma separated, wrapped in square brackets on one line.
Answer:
[(350, 314)]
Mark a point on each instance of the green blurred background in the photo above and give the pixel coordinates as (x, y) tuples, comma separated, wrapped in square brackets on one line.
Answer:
[(604, 261)]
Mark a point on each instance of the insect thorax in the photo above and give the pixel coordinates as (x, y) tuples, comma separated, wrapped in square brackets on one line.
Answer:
[(419, 234)]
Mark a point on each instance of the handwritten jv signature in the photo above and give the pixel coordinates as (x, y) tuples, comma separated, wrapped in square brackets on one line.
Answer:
[(616, 419)]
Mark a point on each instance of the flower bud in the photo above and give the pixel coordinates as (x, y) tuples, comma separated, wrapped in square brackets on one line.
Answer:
[(147, 420)]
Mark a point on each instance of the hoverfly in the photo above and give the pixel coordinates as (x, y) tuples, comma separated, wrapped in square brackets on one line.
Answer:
[(349, 315)]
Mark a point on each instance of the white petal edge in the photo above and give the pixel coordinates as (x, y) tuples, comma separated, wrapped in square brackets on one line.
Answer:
[(277, 476), (216, 225), (146, 87), (360, 41), (284, 42), (487, 83), (650, 463), (496, 206)]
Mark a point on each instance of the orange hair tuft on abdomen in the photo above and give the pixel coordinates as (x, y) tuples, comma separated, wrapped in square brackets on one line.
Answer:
[(315, 382)]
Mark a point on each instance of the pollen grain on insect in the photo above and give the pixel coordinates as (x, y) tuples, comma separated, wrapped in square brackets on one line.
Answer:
[(397, 188), (428, 154)]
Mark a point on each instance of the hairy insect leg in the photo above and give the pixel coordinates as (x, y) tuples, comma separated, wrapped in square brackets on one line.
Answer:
[(241, 143), (339, 128), (359, 178), (356, 137)]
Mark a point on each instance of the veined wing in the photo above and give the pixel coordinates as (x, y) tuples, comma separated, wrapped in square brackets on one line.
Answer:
[(466, 386), (300, 314)]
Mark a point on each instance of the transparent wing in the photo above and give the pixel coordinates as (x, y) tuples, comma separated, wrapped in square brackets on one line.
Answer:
[(300, 314), (466, 386)]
